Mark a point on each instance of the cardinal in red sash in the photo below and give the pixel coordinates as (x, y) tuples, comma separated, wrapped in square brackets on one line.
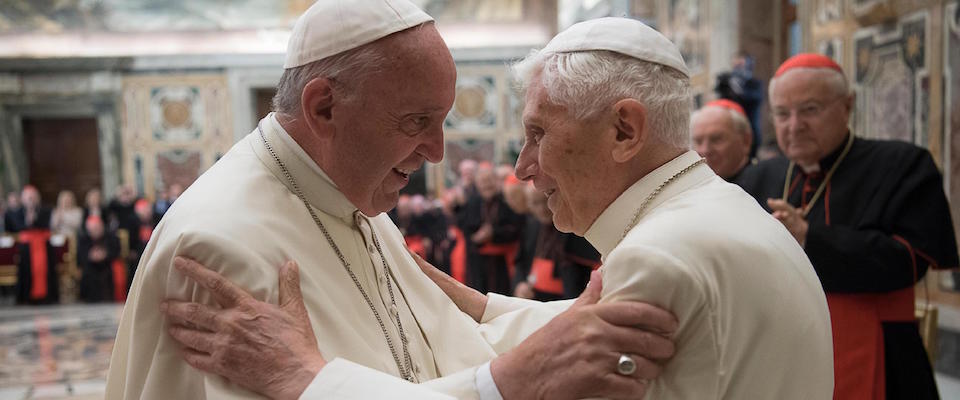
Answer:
[(872, 217)]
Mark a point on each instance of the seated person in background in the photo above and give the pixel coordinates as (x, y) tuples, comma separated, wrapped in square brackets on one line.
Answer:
[(37, 275), (31, 215), (66, 218), (97, 251)]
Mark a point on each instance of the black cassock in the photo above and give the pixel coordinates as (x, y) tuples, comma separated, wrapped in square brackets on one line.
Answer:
[(883, 212), (489, 273)]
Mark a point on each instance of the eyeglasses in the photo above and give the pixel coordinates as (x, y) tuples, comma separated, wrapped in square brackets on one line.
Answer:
[(806, 111)]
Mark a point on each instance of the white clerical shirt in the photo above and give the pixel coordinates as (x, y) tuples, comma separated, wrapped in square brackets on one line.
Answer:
[(753, 319), (242, 219)]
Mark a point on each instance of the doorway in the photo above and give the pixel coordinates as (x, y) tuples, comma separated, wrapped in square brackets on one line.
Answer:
[(62, 154)]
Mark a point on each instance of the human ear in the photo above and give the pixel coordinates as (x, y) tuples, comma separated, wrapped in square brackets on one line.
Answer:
[(631, 125), (316, 104)]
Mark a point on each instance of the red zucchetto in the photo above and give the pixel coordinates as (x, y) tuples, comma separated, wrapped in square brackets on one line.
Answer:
[(807, 60), (728, 104)]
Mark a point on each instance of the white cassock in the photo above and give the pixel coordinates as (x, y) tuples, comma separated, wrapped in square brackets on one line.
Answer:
[(242, 220), (753, 319)]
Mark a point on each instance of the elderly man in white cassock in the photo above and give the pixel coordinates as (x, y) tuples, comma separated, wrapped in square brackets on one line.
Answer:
[(360, 106), (606, 119)]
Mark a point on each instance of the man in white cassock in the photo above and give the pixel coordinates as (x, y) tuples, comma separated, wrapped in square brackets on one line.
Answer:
[(360, 106), (606, 119)]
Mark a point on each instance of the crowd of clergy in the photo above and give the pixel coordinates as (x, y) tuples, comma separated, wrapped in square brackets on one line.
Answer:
[(495, 234), (871, 216), (87, 252)]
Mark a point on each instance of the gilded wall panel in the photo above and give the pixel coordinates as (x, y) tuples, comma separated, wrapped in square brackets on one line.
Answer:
[(174, 127), (891, 80), (951, 107)]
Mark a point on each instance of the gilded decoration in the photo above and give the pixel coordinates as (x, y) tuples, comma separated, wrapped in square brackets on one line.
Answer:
[(476, 106), (686, 27), (174, 127), (892, 81), (951, 70)]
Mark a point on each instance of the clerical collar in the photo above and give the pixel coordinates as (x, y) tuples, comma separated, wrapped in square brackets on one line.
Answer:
[(607, 229), (317, 187), (827, 161)]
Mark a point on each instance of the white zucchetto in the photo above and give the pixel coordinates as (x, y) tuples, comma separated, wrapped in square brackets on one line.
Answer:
[(620, 35), (330, 27)]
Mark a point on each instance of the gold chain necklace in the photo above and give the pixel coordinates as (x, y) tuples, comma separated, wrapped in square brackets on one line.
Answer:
[(646, 201), (823, 185), (406, 366)]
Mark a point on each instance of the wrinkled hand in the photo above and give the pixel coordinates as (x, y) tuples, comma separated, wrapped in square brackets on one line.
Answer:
[(468, 300), (792, 218), (523, 290), (97, 254), (482, 235), (575, 355), (262, 347)]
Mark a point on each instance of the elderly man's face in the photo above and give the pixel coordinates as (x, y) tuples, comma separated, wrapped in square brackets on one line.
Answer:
[(486, 181), (715, 138), (396, 123), (561, 155), (809, 115)]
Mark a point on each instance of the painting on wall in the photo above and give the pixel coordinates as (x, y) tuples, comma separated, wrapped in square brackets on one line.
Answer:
[(891, 80), (829, 10), (476, 106), (173, 128), (832, 48), (176, 113), (686, 27), (180, 167), (951, 107)]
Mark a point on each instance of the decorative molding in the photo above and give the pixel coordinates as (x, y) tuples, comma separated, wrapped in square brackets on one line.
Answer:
[(173, 128), (890, 75), (870, 12)]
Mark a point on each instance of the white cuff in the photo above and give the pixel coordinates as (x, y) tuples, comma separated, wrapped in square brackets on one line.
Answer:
[(486, 387)]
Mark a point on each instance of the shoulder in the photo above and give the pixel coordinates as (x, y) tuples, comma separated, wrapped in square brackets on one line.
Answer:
[(639, 272), (756, 177)]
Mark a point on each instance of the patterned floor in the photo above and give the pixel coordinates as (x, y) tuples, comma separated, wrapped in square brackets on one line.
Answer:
[(56, 352), (63, 352)]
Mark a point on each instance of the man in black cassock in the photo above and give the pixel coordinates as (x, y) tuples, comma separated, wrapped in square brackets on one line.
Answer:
[(491, 228), (871, 215)]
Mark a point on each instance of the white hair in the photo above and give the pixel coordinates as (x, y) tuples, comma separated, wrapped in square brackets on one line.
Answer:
[(835, 79), (740, 122), (346, 69), (589, 83)]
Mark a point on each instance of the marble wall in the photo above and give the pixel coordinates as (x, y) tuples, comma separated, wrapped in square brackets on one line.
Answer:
[(901, 56)]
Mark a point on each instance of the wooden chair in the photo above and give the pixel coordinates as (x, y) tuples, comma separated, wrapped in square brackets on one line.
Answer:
[(8, 266), (8, 271), (927, 318)]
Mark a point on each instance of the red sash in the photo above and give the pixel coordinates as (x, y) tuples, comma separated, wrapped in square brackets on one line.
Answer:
[(858, 340), (544, 279), (119, 280), (415, 244), (458, 257), (507, 251), (36, 239)]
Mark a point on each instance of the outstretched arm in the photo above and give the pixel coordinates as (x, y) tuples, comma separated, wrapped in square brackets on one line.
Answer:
[(270, 348)]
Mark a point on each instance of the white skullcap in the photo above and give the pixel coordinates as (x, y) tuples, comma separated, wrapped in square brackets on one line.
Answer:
[(330, 27), (620, 35)]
